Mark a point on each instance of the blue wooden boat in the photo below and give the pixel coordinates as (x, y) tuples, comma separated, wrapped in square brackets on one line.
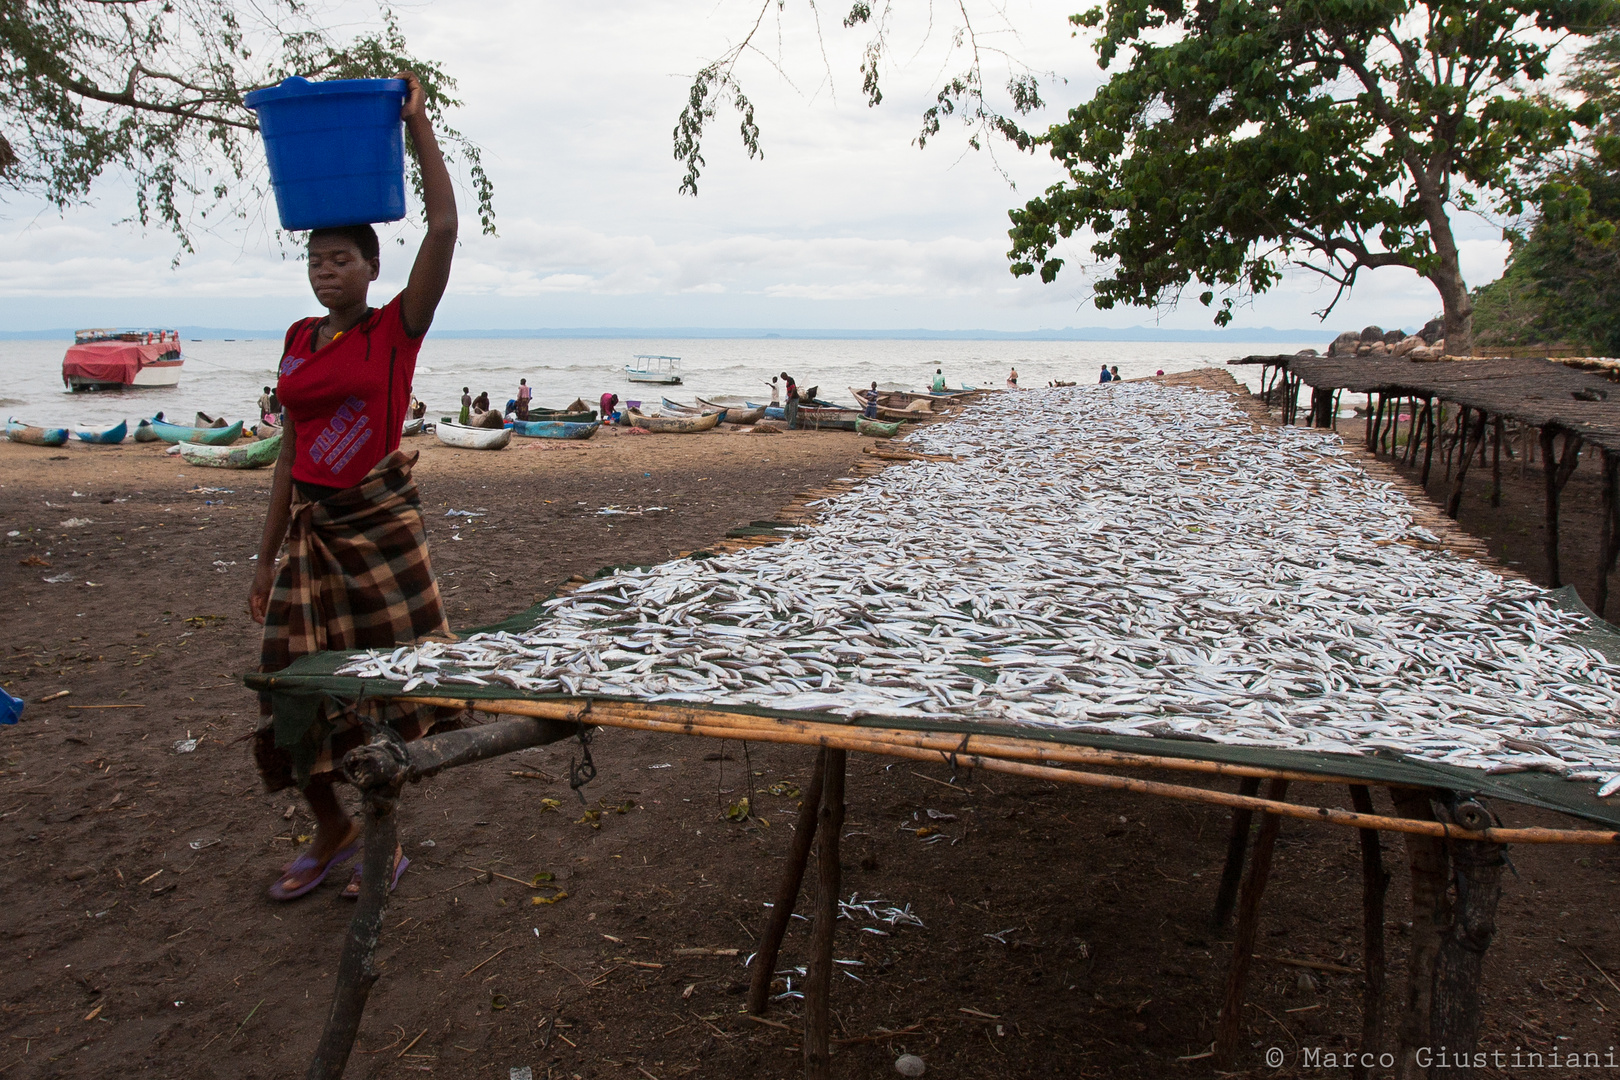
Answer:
[(106, 436), (177, 433), (19, 432), (553, 429)]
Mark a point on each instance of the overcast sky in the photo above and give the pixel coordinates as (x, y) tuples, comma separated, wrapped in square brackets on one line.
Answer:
[(844, 224)]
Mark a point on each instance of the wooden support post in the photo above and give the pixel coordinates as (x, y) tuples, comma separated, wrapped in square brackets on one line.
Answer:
[(1556, 468), (787, 891), (1229, 1028), (1496, 465), (1452, 439), (1411, 429), (1374, 886), (1607, 548), (1377, 427), (1337, 394), (356, 971), (1431, 916), (1477, 881), (1465, 456), (1237, 847), (1368, 438), (818, 982), (1428, 444)]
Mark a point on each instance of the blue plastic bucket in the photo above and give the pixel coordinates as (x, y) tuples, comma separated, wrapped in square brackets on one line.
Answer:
[(336, 150)]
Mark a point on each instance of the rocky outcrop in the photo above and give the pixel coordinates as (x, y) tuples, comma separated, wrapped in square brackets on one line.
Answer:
[(1376, 342)]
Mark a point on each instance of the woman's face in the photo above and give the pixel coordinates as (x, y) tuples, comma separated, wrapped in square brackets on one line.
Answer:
[(338, 273)]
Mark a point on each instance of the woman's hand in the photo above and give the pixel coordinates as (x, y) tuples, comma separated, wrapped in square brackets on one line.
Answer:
[(264, 579), (415, 100)]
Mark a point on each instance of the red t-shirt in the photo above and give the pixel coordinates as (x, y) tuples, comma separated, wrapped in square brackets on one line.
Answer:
[(347, 401)]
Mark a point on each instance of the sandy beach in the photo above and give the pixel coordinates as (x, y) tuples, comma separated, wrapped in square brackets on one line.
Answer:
[(1065, 930)]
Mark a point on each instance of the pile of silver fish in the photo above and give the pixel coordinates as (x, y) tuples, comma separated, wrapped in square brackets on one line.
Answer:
[(1130, 559)]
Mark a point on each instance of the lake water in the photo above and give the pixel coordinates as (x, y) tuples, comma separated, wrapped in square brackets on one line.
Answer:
[(225, 377)]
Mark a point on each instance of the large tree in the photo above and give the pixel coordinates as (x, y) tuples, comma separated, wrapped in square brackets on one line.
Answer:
[(153, 89), (1243, 136)]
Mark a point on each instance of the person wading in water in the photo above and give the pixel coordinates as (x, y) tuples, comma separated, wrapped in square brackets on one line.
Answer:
[(355, 572)]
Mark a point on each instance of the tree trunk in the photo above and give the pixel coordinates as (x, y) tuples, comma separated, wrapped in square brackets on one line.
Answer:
[(1446, 277)]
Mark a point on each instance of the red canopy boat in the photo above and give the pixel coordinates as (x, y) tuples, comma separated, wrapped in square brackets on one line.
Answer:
[(113, 359)]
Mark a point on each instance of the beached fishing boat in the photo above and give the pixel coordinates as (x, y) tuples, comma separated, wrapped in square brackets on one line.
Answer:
[(680, 409), (652, 368), (553, 429), (145, 433), (208, 436), (253, 455), (19, 432), (674, 425), (115, 359), (203, 420), (413, 426), (877, 429), (833, 419), (564, 416), (105, 436), (472, 438)]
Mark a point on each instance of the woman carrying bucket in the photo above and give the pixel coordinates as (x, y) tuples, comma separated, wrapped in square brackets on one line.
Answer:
[(355, 572)]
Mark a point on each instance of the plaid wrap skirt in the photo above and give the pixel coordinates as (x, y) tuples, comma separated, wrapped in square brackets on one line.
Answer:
[(355, 575)]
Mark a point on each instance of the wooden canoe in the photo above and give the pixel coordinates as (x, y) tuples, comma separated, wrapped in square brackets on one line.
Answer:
[(828, 419), (19, 432), (674, 425), (413, 426), (672, 406), (144, 432), (103, 436), (553, 429), (472, 438), (209, 436), (253, 455), (874, 428), (564, 416)]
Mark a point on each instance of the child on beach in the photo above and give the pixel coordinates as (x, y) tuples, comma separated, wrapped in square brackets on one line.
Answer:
[(355, 570)]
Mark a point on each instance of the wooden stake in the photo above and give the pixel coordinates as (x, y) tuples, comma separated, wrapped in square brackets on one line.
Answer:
[(1374, 886), (1456, 1010), (1606, 533), (1465, 457), (1433, 427), (1229, 1028), (1237, 847), (1496, 465), (1556, 469), (787, 891), (356, 971), (818, 982), (1431, 915)]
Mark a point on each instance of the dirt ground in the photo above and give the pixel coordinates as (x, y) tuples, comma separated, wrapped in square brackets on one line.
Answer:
[(1064, 930)]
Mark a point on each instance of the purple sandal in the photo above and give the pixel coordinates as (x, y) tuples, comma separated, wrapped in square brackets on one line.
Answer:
[(306, 862), (351, 891)]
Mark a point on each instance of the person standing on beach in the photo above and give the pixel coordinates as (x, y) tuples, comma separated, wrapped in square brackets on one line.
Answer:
[(1012, 379), (870, 412), (466, 406), (524, 394), (776, 393), (1105, 376), (355, 572), (938, 386), (265, 410), (792, 406), (1114, 373)]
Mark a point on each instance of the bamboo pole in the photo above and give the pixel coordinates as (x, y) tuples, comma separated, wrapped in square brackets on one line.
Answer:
[(787, 892), (1007, 746), (871, 740), (818, 980), (1229, 1027)]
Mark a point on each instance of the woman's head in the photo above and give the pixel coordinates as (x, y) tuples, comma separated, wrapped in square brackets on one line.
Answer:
[(343, 262)]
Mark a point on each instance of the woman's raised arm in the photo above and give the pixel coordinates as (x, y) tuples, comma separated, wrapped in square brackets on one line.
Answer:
[(431, 272)]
